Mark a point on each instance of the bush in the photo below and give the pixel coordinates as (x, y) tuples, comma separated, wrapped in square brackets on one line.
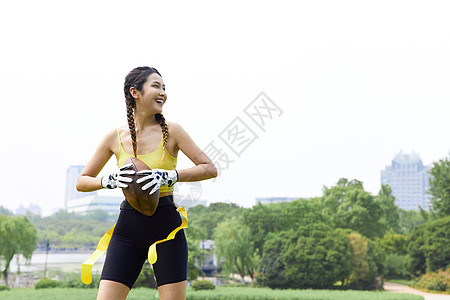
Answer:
[(4, 288), (203, 285), (74, 281), (46, 283), (438, 286), (436, 281)]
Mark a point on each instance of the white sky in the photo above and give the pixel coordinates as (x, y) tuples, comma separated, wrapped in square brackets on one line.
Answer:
[(357, 81)]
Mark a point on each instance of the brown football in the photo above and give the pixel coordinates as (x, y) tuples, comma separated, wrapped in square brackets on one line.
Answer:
[(141, 200)]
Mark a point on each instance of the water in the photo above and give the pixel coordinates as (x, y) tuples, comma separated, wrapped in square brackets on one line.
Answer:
[(65, 261)]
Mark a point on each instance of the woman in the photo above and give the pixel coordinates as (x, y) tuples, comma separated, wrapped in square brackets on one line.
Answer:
[(147, 130)]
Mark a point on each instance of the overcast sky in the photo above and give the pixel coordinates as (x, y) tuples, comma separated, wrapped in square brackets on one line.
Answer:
[(355, 82)]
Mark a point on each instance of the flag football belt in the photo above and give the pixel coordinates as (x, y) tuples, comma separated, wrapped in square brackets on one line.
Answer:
[(86, 268)]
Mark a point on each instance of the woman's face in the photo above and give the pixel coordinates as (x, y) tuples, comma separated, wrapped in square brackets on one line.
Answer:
[(153, 94)]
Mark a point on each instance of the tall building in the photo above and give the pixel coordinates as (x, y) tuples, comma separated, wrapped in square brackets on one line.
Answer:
[(408, 178), (83, 203), (72, 174)]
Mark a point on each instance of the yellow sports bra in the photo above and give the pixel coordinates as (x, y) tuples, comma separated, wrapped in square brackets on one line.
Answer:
[(153, 160)]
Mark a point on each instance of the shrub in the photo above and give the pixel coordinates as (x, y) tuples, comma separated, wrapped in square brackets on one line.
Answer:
[(73, 281), (438, 286), (4, 288), (436, 281), (46, 283), (203, 285)]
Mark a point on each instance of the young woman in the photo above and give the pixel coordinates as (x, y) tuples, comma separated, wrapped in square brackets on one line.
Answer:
[(152, 140)]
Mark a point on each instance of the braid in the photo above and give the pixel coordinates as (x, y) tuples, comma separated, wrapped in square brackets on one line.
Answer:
[(165, 130), (131, 125), (136, 78)]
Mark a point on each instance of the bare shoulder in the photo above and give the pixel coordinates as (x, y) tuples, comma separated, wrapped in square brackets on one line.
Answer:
[(110, 140), (175, 129)]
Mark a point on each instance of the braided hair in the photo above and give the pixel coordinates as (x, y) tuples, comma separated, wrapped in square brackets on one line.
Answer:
[(136, 78)]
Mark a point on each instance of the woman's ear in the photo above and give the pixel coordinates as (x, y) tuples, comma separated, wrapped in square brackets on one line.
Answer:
[(134, 92)]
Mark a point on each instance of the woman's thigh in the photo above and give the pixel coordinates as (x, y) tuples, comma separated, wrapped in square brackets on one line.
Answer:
[(111, 290)]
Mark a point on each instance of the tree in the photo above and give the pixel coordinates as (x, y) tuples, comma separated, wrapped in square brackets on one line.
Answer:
[(271, 267), (313, 256), (390, 217), (351, 207), (429, 247), (319, 258), (367, 262), (440, 187), (408, 219), (232, 241), (5, 211), (394, 243), (17, 236), (209, 216), (263, 219)]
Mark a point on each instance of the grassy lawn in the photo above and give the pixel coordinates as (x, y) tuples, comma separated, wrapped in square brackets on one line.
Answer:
[(408, 282), (220, 293)]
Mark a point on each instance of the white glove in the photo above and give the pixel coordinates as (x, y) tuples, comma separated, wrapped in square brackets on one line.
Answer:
[(117, 179), (157, 178)]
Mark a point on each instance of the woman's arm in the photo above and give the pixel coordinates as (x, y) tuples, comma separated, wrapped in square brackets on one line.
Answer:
[(204, 168), (88, 181)]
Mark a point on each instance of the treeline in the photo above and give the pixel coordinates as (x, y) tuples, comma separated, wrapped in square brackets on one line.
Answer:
[(65, 230), (347, 237)]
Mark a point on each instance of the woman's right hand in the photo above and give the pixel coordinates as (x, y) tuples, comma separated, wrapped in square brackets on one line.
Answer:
[(117, 179)]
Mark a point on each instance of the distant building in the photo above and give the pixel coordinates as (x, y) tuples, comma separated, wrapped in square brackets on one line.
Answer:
[(93, 202), (32, 208), (408, 178), (83, 203), (275, 199), (72, 174)]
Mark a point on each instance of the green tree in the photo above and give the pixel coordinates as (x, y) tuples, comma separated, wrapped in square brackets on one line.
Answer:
[(5, 211), (208, 217), (351, 207), (313, 256), (263, 219), (408, 219), (271, 267), (319, 258), (394, 243), (440, 187), (429, 247), (367, 262), (232, 241), (390, 217), (17, 236)]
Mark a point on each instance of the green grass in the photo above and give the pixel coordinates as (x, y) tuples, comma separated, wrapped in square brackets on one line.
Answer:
[(220, 293), (408, 282)]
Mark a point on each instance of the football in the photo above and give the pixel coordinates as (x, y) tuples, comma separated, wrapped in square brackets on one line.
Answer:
[(140, 200)]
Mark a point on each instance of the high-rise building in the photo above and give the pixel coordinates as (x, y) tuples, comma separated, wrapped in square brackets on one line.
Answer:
[(83, 203), (72, 174), (408, 178)]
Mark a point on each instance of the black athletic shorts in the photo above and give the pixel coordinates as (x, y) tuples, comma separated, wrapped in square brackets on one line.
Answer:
[(133, 235)]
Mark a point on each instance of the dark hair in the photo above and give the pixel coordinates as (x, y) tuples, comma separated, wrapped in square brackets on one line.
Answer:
[(136, 78)]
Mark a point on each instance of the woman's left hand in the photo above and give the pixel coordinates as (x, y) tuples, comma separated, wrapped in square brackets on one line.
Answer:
[(157, 178)]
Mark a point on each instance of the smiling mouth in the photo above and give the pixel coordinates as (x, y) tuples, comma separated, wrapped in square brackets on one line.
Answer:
[(160, 101)]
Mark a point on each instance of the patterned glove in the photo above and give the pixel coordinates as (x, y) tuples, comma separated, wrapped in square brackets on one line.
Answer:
[(117, 178), (157, 178)]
